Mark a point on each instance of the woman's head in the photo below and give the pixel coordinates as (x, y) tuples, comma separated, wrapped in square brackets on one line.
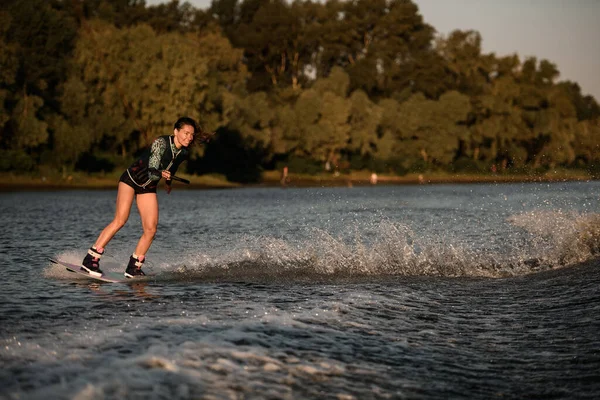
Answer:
[(185, 131)]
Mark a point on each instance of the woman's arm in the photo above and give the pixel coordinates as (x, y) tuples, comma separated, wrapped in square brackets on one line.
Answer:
[(159, 146)]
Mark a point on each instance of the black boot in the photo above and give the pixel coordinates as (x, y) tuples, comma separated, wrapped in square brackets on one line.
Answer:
[(134, 268), (91, 262)]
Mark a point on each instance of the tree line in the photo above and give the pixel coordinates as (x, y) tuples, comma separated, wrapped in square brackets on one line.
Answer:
[(354, 85)]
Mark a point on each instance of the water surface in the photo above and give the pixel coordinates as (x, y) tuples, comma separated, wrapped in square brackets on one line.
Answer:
[(429, 292)]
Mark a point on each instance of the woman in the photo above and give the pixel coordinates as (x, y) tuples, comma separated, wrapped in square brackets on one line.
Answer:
[(140, 181)]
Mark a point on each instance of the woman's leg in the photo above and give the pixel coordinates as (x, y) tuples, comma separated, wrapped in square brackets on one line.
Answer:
[(147, 204), (125, 195)]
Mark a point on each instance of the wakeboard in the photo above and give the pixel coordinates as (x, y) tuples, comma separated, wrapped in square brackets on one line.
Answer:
[(111, 277)]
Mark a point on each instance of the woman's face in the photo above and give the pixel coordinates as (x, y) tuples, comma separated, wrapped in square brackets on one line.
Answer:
[(185, 135)]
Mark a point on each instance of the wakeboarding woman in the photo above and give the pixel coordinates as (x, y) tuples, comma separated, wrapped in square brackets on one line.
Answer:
[(140, 181)]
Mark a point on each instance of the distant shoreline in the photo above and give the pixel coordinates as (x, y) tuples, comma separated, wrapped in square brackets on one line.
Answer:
[(12, 182), (424, 179)]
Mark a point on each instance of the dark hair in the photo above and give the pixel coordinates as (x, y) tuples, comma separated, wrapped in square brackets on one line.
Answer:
[(186, 121)]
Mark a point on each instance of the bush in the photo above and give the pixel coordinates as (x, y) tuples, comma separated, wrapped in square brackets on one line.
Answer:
[(377, 165), (358, 162), (468, 165), (594, 170), (89, 162), (396, 166), (16, 161), (301, 165), (418, 166)]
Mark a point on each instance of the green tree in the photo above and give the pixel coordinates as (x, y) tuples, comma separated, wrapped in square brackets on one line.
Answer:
[(587, 144), (405, 58), (32, 131), (287, 131), (322, 123), (390, 127), (9, 65), (324, 114), (119, 13), (70, 141), (226, 13), (585, 106), (337, 82), (43, 39), (469, 69), (255, 116), (134, 82), (385, 47), (269, 33), (434, 129), (36, 40), (324, 30), (364, 120), (560, 126)]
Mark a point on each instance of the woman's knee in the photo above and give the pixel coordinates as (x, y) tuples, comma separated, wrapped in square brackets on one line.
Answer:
[(150, 231), (119, 222)]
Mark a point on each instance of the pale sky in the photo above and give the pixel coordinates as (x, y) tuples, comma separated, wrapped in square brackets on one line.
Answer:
[(565, 32)]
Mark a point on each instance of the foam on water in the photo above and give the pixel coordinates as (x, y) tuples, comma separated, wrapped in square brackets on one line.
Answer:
[(561, 238), (311, 341), (549, 239), (184, 357)]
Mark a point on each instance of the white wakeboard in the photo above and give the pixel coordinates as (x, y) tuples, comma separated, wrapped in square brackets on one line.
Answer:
[(112, 277)]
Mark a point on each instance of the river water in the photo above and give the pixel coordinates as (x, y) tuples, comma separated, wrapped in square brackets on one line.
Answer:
[(388, 292)]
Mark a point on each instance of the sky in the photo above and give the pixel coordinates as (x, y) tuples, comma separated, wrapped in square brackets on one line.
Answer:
[(565, 32)]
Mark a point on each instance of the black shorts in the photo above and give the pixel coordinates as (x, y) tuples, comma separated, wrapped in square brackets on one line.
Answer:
[(126, 179)]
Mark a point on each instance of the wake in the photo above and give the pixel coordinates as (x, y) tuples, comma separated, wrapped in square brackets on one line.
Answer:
[(543, 240)]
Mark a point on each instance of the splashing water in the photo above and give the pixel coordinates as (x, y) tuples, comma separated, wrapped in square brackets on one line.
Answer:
[(555, 239)]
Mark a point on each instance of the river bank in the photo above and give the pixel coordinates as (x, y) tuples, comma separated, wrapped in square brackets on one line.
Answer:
[(364, 179), (14, 182)]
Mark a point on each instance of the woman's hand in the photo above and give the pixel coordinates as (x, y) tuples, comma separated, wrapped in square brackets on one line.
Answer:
[(167, 175)]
